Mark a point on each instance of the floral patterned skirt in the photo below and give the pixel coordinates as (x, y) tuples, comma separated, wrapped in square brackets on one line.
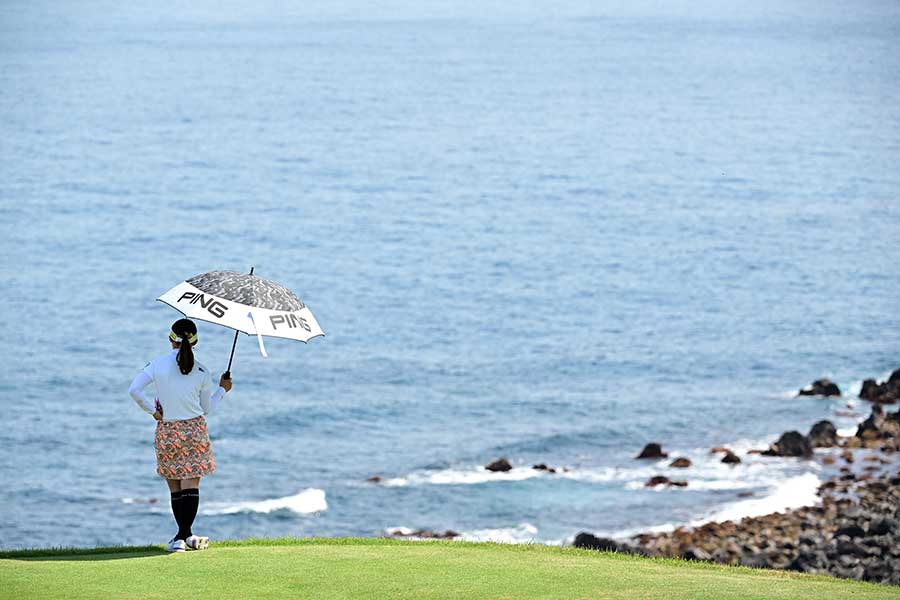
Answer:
[(183, 450)]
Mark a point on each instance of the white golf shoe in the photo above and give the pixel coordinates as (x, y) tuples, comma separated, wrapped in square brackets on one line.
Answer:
[(197, 542), (176, 546)]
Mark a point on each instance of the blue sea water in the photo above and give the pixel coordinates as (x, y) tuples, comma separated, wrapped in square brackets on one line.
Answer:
[(547, 231)]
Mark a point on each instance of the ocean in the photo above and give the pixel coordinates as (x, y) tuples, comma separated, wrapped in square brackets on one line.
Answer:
[(547, 231)]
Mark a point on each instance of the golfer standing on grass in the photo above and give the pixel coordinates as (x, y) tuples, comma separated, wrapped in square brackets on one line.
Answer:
[(183, 451)]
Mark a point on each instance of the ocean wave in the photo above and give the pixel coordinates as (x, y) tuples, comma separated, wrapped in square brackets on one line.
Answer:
[(707, 472), (309, 501), (521, 534), (465, 476), (793, 492)]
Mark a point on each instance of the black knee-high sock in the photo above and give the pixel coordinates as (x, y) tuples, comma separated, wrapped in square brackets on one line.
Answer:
[(176, 509), (187, 506)]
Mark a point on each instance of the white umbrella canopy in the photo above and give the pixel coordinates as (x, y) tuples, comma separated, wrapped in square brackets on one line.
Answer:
[(246, 303)]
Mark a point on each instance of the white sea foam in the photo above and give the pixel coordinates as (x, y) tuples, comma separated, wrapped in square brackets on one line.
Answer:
[(794, 492), (399, 530), (465, 476), (707, 472), (523, 533), (307, 502), (847, 431)]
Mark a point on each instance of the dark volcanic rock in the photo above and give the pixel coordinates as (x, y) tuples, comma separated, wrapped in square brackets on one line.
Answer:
[(856, 537), (652, 450), (870, 429), (681, 463), (823, 435), (757, 560), (731, 458), (696, 554), (663, 480), (501, 465), (851, 530), (883, 526), (543, 467), (792, 443), (821, 387), (886, 392), (869, 390), (592, 542)]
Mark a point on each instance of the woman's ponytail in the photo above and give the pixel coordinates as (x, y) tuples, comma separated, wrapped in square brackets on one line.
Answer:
[(185, 356), (186, 333)]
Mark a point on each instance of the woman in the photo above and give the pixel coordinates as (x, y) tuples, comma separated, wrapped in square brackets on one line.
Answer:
[(183, 451)]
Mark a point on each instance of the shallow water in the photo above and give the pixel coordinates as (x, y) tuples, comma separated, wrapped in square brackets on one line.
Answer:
[(551, 234)]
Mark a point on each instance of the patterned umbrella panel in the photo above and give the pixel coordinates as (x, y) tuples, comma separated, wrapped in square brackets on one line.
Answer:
[(248, 303)]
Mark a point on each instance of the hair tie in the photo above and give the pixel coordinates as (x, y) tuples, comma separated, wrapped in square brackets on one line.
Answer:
[(190, 337)]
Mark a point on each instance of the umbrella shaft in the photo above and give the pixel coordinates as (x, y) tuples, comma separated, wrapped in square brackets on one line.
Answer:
[(227, 373)]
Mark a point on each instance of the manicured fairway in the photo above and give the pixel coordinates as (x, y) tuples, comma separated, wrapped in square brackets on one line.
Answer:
[(372, 568)]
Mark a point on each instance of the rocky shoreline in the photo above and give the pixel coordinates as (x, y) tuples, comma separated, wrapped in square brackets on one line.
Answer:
[(854, 531)]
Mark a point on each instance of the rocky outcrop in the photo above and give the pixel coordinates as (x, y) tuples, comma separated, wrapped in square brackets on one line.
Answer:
[(731, 458), (880, 430), (592, 542), (501, 465), (886, 392), (821, 387), (663, 480), (792, 443), (652, 450), (855, 533), (543, 467), (681, 463), (823, 435)]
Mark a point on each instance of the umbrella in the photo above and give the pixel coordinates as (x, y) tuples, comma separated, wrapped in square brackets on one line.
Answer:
[(246, 303)]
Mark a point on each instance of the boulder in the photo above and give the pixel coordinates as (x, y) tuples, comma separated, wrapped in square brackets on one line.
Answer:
[(663, 480), (731, 458), (592, 542), (821, 387), (869, 390), (791, 443), (886, 392), (823, 435), (652, 450), (501, 465), (756, 560), (695, 553), (681, 463), (851, 530), (870, 429), (882, 526), (543, 467), (374, 479)]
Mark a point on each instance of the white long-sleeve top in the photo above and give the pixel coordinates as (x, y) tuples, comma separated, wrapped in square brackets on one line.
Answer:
[(180, 396)]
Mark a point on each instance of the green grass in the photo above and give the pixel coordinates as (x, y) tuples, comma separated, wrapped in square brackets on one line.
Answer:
[(377, 568)]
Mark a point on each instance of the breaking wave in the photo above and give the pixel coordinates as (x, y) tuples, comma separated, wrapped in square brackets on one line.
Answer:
[(309, 501)]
